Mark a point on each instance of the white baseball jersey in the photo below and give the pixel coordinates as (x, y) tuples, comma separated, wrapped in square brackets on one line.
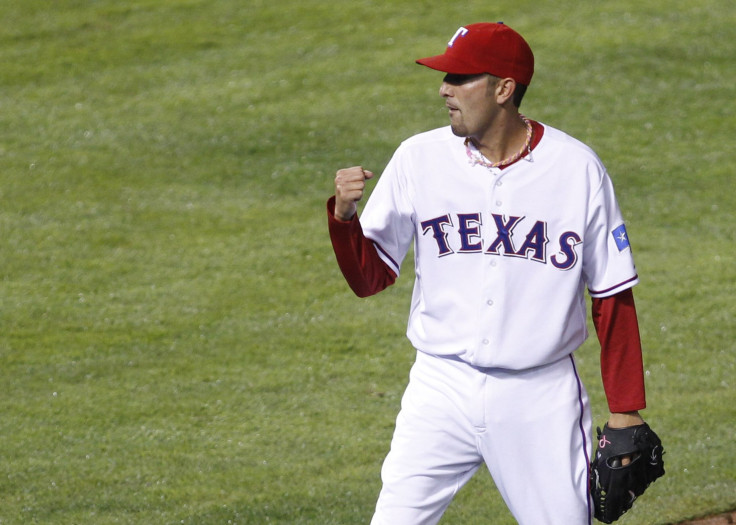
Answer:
[(502, 257)]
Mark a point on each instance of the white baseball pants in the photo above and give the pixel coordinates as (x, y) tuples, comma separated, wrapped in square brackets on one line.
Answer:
[(531, 428)]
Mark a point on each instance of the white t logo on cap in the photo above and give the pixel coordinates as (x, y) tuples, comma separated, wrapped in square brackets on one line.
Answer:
[(460, 32)]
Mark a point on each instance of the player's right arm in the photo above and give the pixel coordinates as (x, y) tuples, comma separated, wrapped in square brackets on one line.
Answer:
[(364, 270)]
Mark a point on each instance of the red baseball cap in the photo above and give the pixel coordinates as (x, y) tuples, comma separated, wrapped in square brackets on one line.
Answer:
[(486, 48)]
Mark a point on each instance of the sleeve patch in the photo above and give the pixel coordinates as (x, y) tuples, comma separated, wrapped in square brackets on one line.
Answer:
[(621, 238)]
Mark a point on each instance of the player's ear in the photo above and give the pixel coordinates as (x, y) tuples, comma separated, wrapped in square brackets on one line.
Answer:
[(505, 88)]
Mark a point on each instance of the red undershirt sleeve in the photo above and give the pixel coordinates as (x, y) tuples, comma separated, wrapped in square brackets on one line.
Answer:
[(622, 369), (357, 257)]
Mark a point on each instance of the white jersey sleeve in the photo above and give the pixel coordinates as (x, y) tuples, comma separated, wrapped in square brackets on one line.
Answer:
[(387, 219), (608, 266)]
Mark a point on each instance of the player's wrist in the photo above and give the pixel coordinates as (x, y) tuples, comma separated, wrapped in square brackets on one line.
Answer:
[(345, 213), (624, 419)]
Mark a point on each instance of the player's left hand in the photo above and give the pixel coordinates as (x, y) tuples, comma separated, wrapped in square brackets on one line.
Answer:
[(614, 485), (623, 420)]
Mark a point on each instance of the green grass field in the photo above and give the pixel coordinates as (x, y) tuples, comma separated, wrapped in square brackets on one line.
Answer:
[(177, 343)]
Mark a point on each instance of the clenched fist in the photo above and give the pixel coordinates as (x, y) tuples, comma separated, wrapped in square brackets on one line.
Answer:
[(349, 188)]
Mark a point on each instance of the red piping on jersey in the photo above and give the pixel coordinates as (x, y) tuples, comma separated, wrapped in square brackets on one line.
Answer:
[(603, 292)]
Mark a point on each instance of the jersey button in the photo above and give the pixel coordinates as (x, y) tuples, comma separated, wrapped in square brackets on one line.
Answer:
[(486, 341), (489, 302)]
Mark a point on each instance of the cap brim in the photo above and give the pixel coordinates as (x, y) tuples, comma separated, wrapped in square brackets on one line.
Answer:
[(450, 65)]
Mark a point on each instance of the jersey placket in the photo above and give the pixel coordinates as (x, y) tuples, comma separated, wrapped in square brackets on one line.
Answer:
[(492, 282)]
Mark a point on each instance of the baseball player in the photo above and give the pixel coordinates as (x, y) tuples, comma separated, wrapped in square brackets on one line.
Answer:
[(511, 221)]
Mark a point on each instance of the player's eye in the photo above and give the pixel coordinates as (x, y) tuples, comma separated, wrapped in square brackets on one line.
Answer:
[(458, 80)]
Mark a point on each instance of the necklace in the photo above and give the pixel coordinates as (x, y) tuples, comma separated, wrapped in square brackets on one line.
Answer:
[(476, 157)]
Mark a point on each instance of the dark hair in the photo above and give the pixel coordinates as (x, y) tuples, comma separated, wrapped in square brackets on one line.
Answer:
[(519, 93)]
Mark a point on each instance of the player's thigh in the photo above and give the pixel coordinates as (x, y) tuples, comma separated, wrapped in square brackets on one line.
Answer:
[(541, 450), (434, 449), (421, 475)]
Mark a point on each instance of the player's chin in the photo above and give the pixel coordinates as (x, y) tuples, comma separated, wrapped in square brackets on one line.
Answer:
[(458, 130)]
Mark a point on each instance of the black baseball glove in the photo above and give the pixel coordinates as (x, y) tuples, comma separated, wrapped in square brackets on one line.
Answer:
[(614, 486)]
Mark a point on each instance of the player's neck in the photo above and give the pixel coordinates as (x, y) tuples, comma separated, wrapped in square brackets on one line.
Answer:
[(508, 138)]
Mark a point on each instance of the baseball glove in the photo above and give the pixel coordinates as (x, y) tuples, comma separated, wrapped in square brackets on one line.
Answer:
[(614, 486)]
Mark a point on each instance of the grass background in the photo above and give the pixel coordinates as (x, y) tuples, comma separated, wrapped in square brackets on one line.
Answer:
[(177, 343)]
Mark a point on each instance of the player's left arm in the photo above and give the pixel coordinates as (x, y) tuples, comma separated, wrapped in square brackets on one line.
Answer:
[(628, 457), (622, 368)]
